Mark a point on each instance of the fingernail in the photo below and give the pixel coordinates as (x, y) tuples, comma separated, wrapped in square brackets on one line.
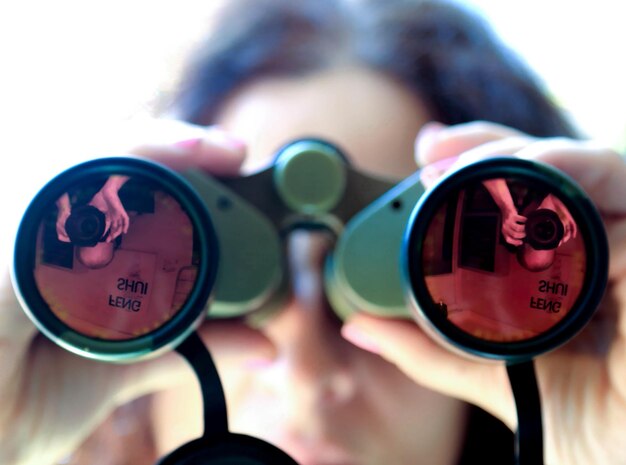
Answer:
[(189, 143), (223, 137), (427, 135), (357, 337), (431, 128)]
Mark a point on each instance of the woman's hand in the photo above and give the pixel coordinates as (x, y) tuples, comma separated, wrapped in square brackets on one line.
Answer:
[(52, 399), (583, 383)]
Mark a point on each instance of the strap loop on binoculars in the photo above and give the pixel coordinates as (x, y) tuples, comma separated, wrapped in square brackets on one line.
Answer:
[(529, 437), (213, 400)]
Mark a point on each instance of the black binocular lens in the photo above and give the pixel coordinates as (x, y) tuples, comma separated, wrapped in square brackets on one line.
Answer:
[(506, 259), (117, 258)]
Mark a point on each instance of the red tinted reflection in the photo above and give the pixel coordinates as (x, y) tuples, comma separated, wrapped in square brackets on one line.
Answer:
[(115, 258), (504, 260)]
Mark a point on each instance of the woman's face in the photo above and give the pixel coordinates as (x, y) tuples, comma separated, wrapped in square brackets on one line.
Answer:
[(323, 400)]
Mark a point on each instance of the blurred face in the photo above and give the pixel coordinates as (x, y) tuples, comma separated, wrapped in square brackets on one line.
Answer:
[(323, 400), (367, 114)]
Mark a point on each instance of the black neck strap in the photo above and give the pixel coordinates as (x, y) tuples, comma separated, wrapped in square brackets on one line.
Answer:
[(213, 400), (529, 437)]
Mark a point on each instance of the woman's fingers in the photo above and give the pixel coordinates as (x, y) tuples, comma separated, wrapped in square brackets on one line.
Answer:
[(403, 343), (600, 171), (236, 343), (16, 332), (437, 142), (440, 148), (210, 149), (233, 346)]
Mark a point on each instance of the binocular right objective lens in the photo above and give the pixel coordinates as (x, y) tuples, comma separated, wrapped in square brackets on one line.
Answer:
[(513, 250)]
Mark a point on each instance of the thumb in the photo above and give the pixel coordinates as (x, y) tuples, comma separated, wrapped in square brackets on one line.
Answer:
[(232, 344), (429, 364), (599, 170), (436, 142), (180, 145), (212, 149)]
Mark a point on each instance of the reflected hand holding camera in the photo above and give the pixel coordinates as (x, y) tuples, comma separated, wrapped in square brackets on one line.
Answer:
[(101, 219)]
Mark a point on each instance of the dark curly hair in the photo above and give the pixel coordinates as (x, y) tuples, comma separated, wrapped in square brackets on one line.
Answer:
[(444, 52)]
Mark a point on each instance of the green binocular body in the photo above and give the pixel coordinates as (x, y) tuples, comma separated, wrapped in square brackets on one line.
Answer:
[(309, 186), (502, 258)]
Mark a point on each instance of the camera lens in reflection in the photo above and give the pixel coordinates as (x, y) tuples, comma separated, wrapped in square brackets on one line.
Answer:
[(86, 226), (544, 229)]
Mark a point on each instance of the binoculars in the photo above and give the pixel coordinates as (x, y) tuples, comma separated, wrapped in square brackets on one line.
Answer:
[(502, 259), (197, 245)]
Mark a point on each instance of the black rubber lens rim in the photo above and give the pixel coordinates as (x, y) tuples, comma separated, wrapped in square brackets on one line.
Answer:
[(590, 228), (169, 333)]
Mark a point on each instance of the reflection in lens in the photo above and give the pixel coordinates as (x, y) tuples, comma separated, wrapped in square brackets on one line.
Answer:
[(544, 229), (502, 260), (85, 226), (116, 257)]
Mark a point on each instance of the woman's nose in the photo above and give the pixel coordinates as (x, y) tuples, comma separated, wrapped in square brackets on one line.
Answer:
[(314, 356)]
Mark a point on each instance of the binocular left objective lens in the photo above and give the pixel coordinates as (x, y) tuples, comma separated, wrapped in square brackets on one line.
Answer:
[(115, 259)]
